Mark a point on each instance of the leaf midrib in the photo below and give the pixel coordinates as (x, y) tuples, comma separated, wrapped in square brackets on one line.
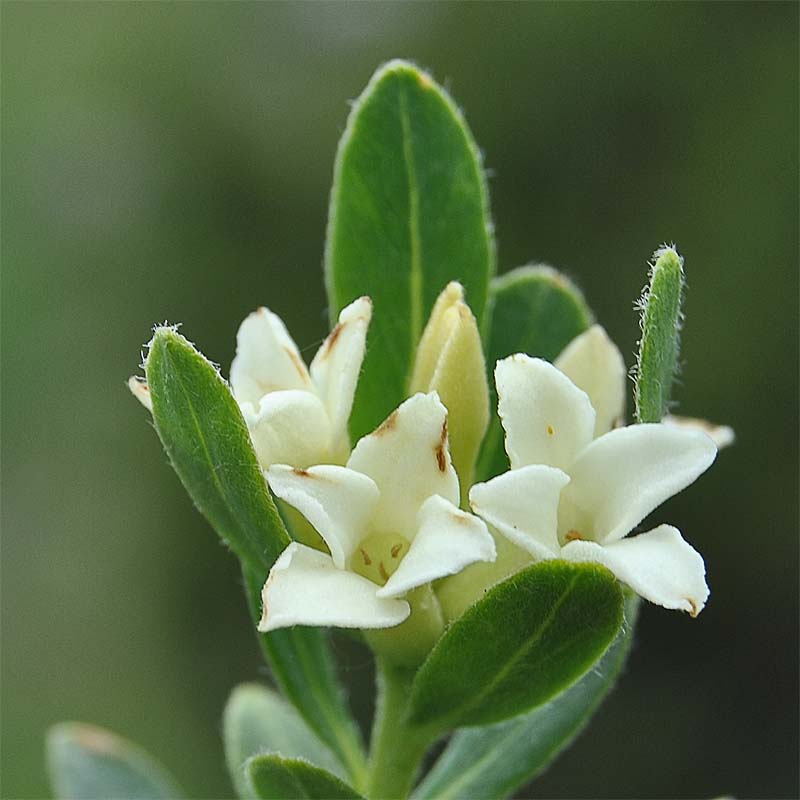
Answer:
[(531, 640), (415, 240)]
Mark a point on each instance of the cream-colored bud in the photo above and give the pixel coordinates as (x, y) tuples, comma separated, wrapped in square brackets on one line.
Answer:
[(450, 361)]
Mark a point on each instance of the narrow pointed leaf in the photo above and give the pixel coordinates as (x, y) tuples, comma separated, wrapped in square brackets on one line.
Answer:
[(530, 638), (303, 666), (535, 310), (258, 720), (409, 212), (493, 761), (660, 343), (276, 778), (207, 441), (90, 763)]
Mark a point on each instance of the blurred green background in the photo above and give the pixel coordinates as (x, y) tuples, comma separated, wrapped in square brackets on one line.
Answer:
[(172, 162)]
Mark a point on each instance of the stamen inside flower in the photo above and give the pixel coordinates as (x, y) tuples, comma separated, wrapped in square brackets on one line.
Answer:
[(378, 556)]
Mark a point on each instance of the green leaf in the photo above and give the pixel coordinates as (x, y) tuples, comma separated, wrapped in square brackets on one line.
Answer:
[(492, 762), (257, 720), (90, 763), (409, 212), (303, 666), (530, 638), (660, 343), (206, 439), (203, 432), (276, 778), (535, 310)]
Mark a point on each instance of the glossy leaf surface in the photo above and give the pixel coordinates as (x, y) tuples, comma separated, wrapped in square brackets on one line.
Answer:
[(535, 310), (274, 778), (493, 761), (530, 638), (409, 212), (90, 763), (208, 444)]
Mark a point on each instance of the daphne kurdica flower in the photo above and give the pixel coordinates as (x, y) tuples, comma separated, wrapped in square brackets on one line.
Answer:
[(389, 518), (576, 487), (298, 415)]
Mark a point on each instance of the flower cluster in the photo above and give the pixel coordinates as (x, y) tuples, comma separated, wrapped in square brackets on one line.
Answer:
[(390, 514), (390, 517)]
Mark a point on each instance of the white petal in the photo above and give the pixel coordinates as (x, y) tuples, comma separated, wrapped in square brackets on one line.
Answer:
[(305, 588), (408, 457), (448, 540), (141, 392), (547, 419), (522, 504), (290, 427), (337, 501), (337, 363), (722, 435), (267, 359), (659, 565), (622, 476), (594, 363)]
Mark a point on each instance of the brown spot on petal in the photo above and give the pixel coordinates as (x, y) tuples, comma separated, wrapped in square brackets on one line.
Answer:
[(302, 473), (383, 572), (331, 340), (550, 430), (573, 535), (365, 556), (298, 363), (695, 610), (395, 551), (441, 456), (387, 425)]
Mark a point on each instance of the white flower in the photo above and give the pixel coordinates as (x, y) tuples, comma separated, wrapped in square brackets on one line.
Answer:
[(389, 518), (295, 415), (571, 495)]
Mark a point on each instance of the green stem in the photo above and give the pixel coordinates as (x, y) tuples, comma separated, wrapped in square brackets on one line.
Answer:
[(396, 749)]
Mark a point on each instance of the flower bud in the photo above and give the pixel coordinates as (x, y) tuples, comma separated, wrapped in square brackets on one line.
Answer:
[(450, 361)]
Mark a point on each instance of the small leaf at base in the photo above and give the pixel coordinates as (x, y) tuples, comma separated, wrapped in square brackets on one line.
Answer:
[(90, 763), (274, 778), (258, 720)]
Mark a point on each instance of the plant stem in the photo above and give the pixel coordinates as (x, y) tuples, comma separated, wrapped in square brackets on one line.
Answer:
[(396, 748)]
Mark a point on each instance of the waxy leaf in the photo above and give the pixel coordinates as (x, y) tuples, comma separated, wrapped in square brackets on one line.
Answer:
[(274, 778), (90, 763), (257, 720), (534, 310), (530, 638), (209, 446), (661, 321), (409, 212), (493, 761), (206, 439)]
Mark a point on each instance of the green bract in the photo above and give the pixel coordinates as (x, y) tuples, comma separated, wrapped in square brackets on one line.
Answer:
[(660, 342), (530, 638), (494, 760), (409, 212)]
